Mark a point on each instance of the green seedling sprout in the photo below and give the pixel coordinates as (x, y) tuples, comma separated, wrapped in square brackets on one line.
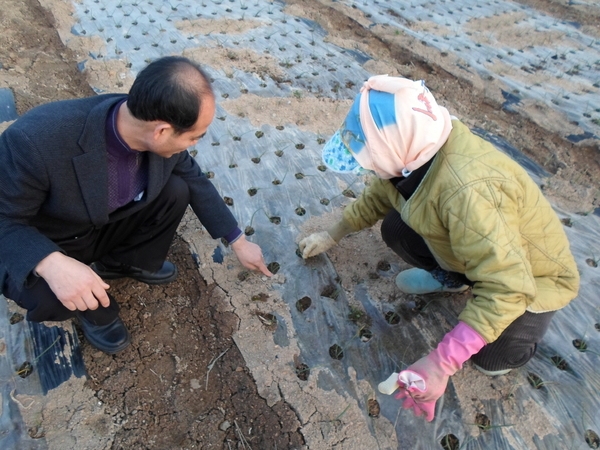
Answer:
[(257, 159), (277, 181)]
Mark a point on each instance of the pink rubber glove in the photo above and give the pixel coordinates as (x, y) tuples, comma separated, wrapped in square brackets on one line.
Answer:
[(424, 382)]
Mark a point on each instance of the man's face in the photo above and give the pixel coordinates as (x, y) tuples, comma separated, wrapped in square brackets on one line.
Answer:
[(168, 143)]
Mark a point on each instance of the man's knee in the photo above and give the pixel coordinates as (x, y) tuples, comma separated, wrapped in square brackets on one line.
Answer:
[(38, 299)]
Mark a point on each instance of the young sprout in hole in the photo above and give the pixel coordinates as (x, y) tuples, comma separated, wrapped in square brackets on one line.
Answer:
[(267, 319), (365, 334), (16, 318), (592, 262), (273, 267), (256, 159), (262, 297), (302, 371), (277, 181), (303, 304), (228, 201), (559, 362), (355, 314), (535, 380), (450, 442), (336, 352), (392, 318), (249, 230), (373, 407), (331, 292), (25, 369)]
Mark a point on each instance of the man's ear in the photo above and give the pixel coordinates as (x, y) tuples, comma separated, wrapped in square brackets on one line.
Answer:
[(161, 130)]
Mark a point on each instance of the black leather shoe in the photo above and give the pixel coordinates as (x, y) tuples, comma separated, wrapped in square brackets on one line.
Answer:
[(166, 274), (111, 338)]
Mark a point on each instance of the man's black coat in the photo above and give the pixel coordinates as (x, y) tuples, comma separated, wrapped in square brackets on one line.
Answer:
[(54, 183)]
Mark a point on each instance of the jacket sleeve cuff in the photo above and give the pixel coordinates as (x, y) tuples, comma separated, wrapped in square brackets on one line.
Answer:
[(233, 236)]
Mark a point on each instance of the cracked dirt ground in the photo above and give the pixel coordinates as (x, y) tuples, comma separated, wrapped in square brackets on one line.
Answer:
[(202, 371)]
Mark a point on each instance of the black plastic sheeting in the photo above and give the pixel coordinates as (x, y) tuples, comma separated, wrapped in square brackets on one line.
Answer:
[(36, 359)]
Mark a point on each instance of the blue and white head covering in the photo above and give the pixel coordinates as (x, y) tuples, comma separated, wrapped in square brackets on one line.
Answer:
[(393, 127)]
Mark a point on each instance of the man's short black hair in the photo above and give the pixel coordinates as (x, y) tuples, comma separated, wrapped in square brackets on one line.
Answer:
[(169, 89)]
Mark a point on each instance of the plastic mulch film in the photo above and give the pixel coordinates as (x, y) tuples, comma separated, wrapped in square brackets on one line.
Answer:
[(274, 181)]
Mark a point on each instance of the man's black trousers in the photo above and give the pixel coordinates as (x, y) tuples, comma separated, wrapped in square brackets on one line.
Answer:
[(141, 240)]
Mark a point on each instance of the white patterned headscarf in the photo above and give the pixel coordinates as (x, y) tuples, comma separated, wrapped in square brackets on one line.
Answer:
[(394, 127)]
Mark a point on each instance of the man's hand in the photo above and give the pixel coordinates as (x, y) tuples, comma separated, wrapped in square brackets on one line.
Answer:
[(315, 244), (75, 284), (250, 255)]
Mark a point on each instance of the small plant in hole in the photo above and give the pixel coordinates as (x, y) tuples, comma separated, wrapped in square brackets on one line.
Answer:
[(356, 314), (228, 201), (592, 262), (322, 168), (273, 267), (535, 380), (302, 371), (450, 442), (348, 193), (267, 319), (373, 407), (256, 159), (262, 297), (252, 191), (300, 146), (567, 221), (592, 439), (25, 369), (331, 292), (580, 345), (16, 318), (259, 134), (482, 421), (559, 362), (300, 211), (243, 275), (277, 181), (365, 335), (324, 201), (336, 352), (303, 304), (384, 266), (392, 318), (249, 230), (275, 220)]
